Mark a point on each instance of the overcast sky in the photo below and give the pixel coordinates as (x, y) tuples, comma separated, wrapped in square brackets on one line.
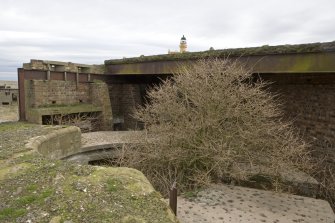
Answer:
[(90, 31)]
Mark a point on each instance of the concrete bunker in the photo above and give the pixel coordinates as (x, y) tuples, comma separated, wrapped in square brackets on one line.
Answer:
[(8, 95), (303, 75), (66, 101), (52, 89)]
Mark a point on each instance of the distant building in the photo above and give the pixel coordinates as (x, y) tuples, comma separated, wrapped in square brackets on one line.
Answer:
[(182, 46), (8, 95)]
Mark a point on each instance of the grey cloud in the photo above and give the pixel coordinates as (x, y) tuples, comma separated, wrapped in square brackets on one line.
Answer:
[(90, 31)]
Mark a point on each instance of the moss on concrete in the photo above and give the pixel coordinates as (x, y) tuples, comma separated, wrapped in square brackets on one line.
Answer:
[(251, 51), (66, 109), (58, 191)]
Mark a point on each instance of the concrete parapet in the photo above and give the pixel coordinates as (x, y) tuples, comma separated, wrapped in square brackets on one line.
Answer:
[(63, 66), (57, 144)]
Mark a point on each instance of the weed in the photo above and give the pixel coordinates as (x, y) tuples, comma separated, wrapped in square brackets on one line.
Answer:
[(11, 213), (113, 185)]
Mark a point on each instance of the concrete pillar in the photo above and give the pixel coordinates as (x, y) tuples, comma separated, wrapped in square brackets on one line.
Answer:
[(49, 72), (77, 76)]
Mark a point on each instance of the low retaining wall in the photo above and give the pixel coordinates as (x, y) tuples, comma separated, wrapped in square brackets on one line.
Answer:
[(69, 144), (58, 144)]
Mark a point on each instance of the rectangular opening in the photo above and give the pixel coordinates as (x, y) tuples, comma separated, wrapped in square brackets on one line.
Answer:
[(84, 69), (86, 121), (55, 67)]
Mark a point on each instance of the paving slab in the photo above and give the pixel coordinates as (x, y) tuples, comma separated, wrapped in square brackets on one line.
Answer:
[(103, 145), (110, 138), (233, 204)]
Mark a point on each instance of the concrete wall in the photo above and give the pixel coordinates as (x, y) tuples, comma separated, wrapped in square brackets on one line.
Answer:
[(63, 66), (308, 100), (44, 93), (124, 99), (126, 93), (58, 144), (53, 97), (99, 96), (8, 96)]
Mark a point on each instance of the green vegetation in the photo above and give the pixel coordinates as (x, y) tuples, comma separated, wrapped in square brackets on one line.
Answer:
[(24, 200), (113, 185), (32, 187), (53, 189), (14, 126), (11, 213)]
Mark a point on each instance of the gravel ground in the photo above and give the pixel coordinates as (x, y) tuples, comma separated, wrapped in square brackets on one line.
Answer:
[(14, 135), (9, 113)]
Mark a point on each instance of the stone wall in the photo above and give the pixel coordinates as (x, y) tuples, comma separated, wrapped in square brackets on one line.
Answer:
[(99, 95), (8, 96), (124, 99), (308, 101), (45, 93), (54, 97)]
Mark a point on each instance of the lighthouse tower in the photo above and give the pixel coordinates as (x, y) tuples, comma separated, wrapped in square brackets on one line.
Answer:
[(183, 45)]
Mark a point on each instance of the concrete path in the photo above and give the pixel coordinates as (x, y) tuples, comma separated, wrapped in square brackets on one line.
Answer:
[(234, 204), (102, 145), (109, 138)]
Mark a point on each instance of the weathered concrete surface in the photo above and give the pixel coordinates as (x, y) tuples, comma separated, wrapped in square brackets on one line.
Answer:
[(58, 97), (105, 139), (293, 180), (314, 57), (233, 204), (63, 66), (34, 188), (34, 115), (103, 145), (57, 144)]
